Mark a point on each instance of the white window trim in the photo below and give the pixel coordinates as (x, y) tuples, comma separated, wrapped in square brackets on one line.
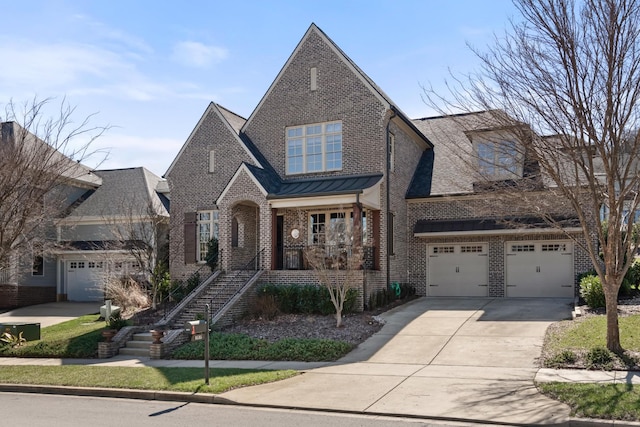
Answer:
[(323, 136), (213, 222), (348, 213), (500, 172)]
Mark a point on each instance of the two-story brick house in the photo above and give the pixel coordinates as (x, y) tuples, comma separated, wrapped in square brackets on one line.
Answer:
[(324, 146)]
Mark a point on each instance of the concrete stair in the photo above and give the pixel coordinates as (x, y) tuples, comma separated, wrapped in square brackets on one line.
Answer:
[(138, 346)]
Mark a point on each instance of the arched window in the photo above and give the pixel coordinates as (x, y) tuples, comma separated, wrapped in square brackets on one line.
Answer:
[(234, 232)]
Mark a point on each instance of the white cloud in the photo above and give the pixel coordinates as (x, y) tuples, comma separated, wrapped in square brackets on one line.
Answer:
[(125, 151), (100, 30), (196, 54)]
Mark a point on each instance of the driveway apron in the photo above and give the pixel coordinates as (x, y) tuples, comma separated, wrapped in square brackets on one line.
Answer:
[(467, 359)]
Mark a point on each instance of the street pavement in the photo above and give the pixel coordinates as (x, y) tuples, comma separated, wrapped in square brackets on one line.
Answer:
[(467, 360)]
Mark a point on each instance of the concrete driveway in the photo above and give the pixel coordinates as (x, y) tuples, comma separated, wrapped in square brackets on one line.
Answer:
[(454, 359), (50, 313)]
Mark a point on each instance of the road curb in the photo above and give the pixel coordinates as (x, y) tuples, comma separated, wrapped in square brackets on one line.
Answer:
[(116, 393), (216, 399)]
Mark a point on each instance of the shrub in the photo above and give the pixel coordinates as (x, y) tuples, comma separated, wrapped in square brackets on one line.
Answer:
[(633, 275), (599, 358), (308, 299), (591, 291), (212, 254), (242, 347), (287, 298), (127, 293), (117, 322), (264, 306), (562, 359), (305, 299), (180, 289)]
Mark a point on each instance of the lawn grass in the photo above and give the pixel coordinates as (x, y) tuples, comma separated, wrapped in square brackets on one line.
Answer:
[(591, 332), (604, 401), (141, 378), (77, 338), (578, 339)]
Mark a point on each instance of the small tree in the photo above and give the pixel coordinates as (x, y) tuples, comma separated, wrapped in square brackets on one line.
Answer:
[(212, 254), (337, 260)]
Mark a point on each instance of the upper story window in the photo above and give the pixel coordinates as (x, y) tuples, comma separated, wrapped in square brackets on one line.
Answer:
[(499, 160), (314, 148)]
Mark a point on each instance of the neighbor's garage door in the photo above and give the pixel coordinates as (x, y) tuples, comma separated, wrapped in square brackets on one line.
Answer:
[(458, 270), (83, 280), (540, 269)]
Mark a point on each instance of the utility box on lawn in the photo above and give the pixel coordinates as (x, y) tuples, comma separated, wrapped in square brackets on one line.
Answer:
[(30, 331), (196, 329)]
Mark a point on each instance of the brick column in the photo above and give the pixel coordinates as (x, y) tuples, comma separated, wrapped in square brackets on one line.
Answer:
[(274, 238)]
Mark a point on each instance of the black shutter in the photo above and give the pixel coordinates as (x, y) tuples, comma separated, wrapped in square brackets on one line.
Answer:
[(190, 238)]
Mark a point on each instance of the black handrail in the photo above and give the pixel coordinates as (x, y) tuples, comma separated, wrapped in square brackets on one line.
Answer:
[(180, 288), (257, 261), (293, 255)]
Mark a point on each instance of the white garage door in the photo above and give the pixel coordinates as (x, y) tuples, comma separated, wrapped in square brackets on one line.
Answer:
[(459, 270), (83, 280), (540, 269)]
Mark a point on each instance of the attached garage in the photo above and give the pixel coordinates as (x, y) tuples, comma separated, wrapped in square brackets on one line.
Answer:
[(83, 280), (458, 270), (539, 269)]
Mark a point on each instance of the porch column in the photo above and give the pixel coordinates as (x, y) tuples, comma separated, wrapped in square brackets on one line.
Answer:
[(274, 238), (375, 226), (357, 225)]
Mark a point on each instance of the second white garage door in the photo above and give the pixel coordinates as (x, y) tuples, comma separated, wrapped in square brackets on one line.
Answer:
[(459, 270), (540, 269)]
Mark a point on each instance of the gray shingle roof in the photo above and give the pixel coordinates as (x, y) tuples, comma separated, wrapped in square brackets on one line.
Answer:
[(452, 173), (123, 192), (488, 224)]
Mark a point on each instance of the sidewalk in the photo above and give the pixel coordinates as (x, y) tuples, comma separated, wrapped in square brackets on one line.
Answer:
[(348, 399)]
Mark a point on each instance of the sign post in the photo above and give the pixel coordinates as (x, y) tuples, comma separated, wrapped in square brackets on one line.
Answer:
[(206, 344)]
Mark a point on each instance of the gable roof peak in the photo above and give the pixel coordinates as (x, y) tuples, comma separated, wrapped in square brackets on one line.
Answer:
[(314, 29)]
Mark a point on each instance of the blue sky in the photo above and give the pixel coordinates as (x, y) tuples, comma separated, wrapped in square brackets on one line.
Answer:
[(150, 68)]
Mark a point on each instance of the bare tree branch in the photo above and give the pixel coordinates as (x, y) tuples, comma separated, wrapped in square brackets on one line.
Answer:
[(39, 156)]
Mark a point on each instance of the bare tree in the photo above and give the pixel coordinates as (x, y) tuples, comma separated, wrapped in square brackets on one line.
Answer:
[(142, 230), (38, 155), (337, 261), (572, 70)]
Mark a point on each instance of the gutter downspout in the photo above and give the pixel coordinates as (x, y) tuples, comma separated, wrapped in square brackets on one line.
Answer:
[(388, 197)]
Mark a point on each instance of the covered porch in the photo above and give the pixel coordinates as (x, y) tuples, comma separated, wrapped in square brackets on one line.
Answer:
[(335, 215)]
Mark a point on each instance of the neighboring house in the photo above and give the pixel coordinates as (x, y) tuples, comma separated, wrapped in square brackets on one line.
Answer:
[(97, 225), (324, 146), (29, 274), (118, 229)]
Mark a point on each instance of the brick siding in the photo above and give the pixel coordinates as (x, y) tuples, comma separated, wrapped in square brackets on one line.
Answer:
[(12, 296)]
